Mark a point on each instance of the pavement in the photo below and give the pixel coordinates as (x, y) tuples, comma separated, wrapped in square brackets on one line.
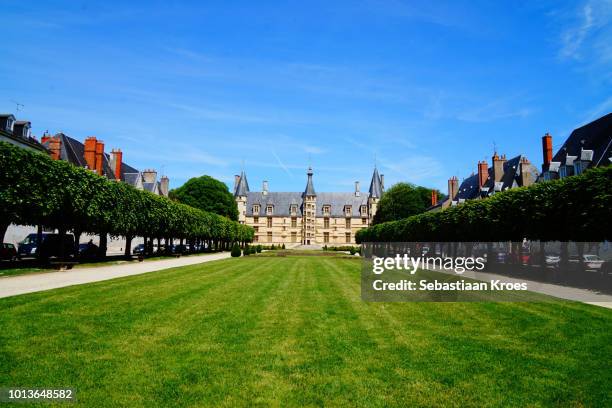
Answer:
[(551, 289), (36, 282)]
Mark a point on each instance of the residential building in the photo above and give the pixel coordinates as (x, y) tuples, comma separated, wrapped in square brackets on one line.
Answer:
[(588, 146), (18, 132), (308, 217), (91, 155)]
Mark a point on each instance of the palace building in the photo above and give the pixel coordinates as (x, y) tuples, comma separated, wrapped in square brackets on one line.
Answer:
[(308, 217)]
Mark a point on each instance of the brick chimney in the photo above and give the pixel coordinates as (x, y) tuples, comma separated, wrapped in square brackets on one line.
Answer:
[(90, 152), (164, 185), (498, 167), (357, 190), (434, 197), (453, 187), (526, 176), (100, 157), (547, 151), (115, 162), (483, 172), (149, 176), (55, 145)]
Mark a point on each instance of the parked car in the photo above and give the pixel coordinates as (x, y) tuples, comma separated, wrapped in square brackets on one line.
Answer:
[(553, 260), (8, 252), (88, 250), (50, 245), (139, 249), (592, 261)]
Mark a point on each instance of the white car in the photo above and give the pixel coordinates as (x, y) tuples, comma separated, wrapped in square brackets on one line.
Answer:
[(592, 261)]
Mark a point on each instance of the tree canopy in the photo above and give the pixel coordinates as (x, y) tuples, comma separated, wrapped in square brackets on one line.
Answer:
[(207, 194), (402, 201)]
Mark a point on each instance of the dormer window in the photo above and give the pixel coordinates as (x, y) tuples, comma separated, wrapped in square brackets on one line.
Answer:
[(269, 209), (256, 209), (326, 209), (9, 125), (364, 210), (293, 209), (26, 132), (348, 211)]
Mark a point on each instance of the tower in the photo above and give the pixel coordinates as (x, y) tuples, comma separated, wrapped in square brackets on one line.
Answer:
[(309, 212), (376, 192), (240, 194)]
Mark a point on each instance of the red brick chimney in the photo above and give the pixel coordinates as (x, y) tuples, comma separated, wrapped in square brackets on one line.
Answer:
[(453, 187), (116, 158), (55, 145), (434, 197), (547, 150), (483, 172), (90, 152), (99, 157)]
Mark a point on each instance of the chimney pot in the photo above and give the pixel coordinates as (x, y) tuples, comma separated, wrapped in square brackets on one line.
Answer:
[(264, 187), (434, 198), (357, 192), (546, 151), (115, 162)]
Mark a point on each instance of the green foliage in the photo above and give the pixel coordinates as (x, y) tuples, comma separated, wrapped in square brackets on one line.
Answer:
[(258, 248), (353, 250), (235, 251), (208, 194), (575, 208), (402, 201), (283, 246), (246, 251), (34, 189)]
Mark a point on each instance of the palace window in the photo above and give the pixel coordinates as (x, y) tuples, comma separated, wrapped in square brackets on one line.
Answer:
[(347, 210), (256, 209), (326, 237), (364, 210), (9, 125), (255, 220), (364, 221), (326, 209), (269, 222), (269, 236), (326, 222), (294, 237), (256, 229), (293, 222), (347, 237), (255, 238), (269, 209), (348, 223)]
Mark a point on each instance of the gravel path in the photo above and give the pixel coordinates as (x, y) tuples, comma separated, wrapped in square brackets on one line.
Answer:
[(17, 285)]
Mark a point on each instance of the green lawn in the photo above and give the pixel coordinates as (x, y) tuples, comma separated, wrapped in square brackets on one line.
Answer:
[(293, 331)]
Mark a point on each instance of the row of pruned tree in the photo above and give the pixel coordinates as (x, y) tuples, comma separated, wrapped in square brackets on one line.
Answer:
[(577, 208), (36, 190)]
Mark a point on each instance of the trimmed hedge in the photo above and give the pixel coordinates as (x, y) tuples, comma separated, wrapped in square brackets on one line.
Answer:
[(36, 190), (577, 208)]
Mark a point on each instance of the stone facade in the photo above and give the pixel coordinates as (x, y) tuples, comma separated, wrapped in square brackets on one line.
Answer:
[(308, 217)]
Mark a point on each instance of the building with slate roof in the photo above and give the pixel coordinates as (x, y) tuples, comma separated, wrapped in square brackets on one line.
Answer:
[(588, 146), (503, 175), (307, 217), (91, 155), (18, 133)]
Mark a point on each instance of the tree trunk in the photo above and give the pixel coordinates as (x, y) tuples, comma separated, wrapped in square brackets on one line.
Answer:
[(103, 245), (61, 232), (39, 232), (128, 246), (3, 227), (77, 239)]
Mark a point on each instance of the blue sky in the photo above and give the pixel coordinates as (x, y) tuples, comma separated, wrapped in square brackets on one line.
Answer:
[(198, 88)]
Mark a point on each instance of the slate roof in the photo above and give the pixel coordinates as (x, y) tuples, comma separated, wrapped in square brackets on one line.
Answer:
[(282, 201), (376, 189), (595, 136), (309, 190), (242, 188)]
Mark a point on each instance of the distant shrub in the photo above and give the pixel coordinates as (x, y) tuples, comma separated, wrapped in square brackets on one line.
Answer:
[(235, 251), (283, 246), (258, 248)]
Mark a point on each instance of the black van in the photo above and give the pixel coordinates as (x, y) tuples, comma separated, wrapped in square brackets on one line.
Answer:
[(49, 247)]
